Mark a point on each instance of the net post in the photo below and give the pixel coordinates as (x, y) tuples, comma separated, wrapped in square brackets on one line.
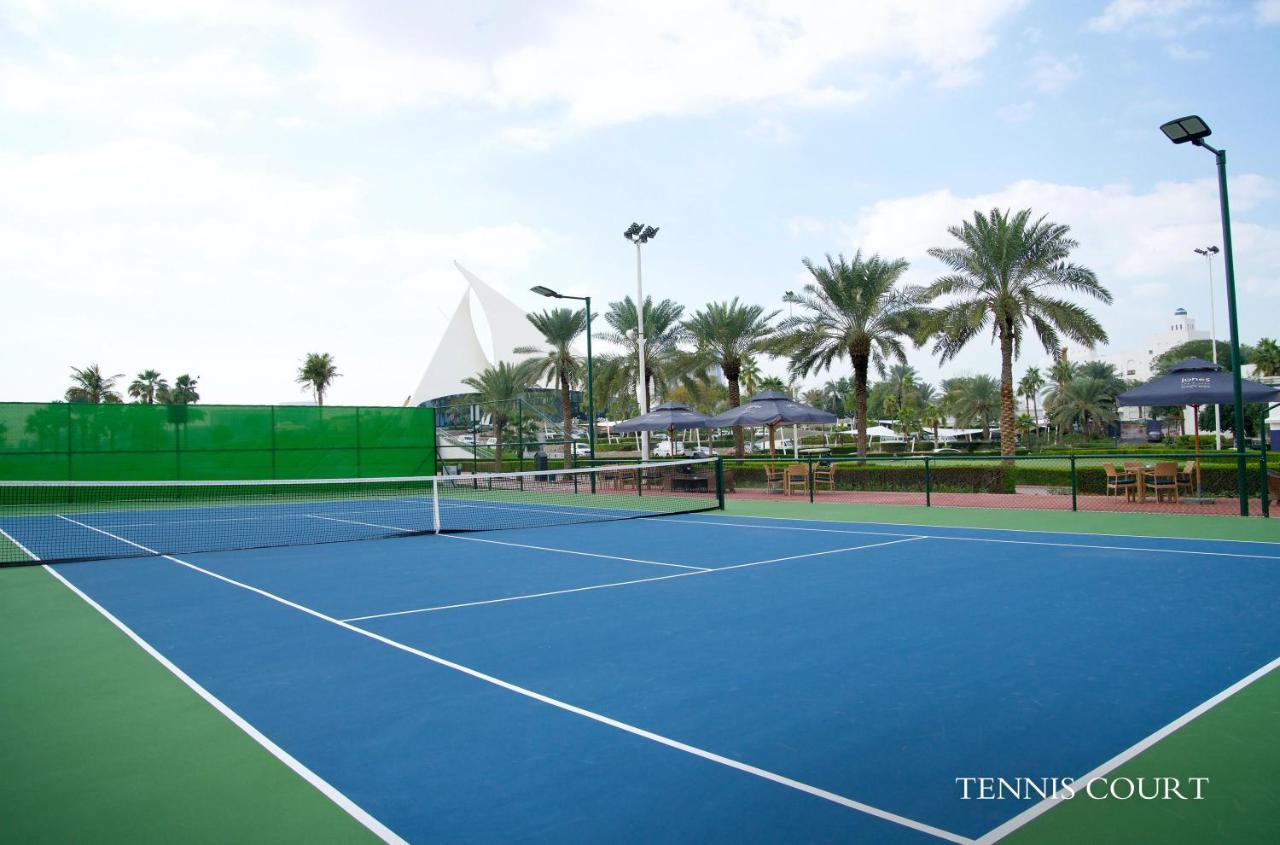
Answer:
[(435, 505), (1074, 486), (720, 481)]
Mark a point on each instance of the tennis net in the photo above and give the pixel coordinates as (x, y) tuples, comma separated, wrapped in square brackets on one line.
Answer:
[(60, 521)]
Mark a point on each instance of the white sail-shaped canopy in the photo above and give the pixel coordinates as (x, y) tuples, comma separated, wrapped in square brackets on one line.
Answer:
[(509, 325), (459, 353)]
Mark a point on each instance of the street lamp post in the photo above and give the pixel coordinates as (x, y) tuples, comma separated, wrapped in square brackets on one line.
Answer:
[(591, 394), (1209, 252), (639, 233), (1194, 130)]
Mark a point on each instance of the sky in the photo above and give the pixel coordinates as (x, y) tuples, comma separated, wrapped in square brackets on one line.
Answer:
[(220, 188)]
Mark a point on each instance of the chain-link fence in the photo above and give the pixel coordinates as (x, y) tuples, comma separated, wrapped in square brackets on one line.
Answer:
[(1176, 482)]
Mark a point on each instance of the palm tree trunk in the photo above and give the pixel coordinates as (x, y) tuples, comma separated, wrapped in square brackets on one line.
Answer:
[(860, 362), (732, 371), (567, 417), (1006, 391)]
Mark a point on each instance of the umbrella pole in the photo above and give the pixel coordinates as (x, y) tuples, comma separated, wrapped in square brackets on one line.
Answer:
[(1195, 415), (771, 454)]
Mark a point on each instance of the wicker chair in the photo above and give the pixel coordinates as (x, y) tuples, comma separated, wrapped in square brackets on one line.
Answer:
[(772, 477), (1187, 478), (824, 477), (795, 477), (1163, 479), (1117, 481)]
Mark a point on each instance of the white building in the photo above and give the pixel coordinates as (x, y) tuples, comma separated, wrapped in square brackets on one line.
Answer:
[(1136, 363)]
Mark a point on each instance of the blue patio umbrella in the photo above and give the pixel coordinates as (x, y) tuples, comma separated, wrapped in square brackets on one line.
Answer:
[(771, 408), (1197, 382), (669, 417)]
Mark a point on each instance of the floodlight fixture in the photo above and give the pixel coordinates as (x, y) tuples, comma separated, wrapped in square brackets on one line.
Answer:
[(545, 291), (632, 231), (649, 233), (1207, 251), (1187, 129)]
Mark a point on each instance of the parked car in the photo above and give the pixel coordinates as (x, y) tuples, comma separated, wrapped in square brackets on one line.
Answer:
[(700, 452), (582, 450), (668, 449)]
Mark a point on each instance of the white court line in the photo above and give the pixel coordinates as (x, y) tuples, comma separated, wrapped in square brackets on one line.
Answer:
[(616, 583), (517, 545), (1016, 530), (718, 522), (323, 786), (1128, 754), (14, 540), (579, 711), (574, 552)]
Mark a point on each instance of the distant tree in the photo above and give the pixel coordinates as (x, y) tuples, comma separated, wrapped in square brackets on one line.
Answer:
[(317, 373), (1106, 373), (1266, 358), (500, 387), (1084, 402), (1199, 349), (91, 386), (664, 360), (1029, 387), (854, 309), (749, 377), (975, 400), (147, 387), (1003, 279), (726, 334), (183, 391), (772, 383), (559, 364)]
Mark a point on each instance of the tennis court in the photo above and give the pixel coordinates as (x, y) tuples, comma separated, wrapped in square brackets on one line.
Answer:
[(579, 674)]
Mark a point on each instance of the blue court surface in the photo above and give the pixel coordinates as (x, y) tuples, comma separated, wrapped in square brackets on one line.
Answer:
[(699, 677)]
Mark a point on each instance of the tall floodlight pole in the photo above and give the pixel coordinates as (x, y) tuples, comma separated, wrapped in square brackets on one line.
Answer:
[(591, 394), (638, 233), (1209, 252), (1194, 130)]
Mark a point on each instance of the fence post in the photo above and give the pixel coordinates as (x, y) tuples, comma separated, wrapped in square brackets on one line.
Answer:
[(928, 485), (720, 481), (273, 442), (1074, 504), (359, 474), (1264, 491), (809, 473)]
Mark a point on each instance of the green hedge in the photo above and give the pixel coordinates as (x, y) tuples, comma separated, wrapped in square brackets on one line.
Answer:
[(906, 478)]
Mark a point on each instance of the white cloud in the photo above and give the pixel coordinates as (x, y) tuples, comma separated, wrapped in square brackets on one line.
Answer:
[(1160, 18), (1139, 243), (574, 67), (1183, 53), (1050, 74), (145, 254), (1267, 11), (1017, 112)]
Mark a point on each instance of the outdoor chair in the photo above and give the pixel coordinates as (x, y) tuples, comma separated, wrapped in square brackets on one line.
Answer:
[(1164, 480), (728, 481), (1273, 485), (824, 477), (1117, 481), (773, 477), (1187, 478), (795, 477)]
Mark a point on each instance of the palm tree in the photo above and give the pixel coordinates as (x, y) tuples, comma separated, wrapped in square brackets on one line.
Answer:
[(1266, 358), (317, 372), (1105, 373), (932, 416), (1084, 401), (91, 386), (500, 387), (147, 386), (559, 327), (1002, 276), (853, 309), (663, 333), (902, 382), (976, 399), (750, 375), (726, 334), (1030, 386), (773, 383), (1060, 375), (183, 391)]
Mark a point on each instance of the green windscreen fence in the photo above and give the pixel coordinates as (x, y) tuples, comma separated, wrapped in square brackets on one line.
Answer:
[(73, 442)]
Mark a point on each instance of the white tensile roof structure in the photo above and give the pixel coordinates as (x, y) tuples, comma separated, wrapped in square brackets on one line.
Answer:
[(459, 353)]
